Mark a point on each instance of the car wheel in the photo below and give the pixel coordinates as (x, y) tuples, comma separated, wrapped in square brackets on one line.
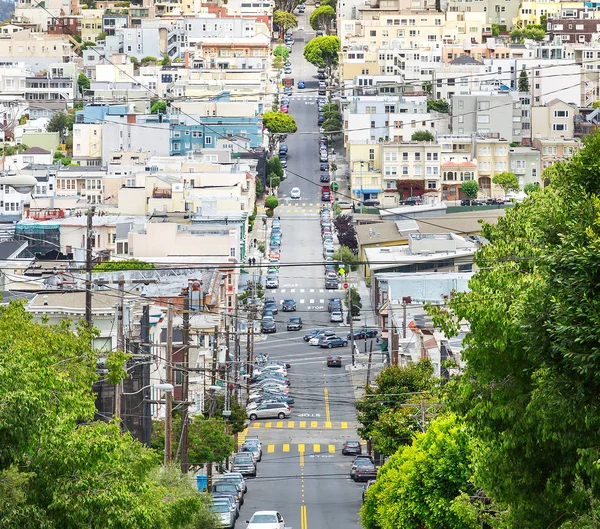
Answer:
[(330, 346), (253, 417), (345, 344), (281, 415)]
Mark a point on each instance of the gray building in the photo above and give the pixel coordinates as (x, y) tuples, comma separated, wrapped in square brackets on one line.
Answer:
[(525, 162), (501, 12), (486, 112)]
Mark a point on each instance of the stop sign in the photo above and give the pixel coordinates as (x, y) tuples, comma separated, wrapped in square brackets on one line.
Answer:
[(345, 285)]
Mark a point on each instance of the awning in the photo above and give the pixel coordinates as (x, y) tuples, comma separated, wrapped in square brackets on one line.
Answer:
[(367, 190), (383, 346)]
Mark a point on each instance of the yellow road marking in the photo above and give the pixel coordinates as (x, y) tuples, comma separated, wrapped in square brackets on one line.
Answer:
[(328, 425), (303, 522), (332, 449), (316, 448), (302, 424), (301, 459), (267, 425), (256, 425), (327, 412), (344, 425), (279, 424), (270, 449), (301, 448), (291, 424), (286, 447), (303, 204), (313, 424)]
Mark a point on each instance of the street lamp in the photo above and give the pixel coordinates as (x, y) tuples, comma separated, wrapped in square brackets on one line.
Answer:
[(21, 183), (167, 388)]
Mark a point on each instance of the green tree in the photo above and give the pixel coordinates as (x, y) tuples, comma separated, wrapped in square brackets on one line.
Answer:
[(507, 181), (438, 105), (334, 123), (166, 60), (394, 386), (323, 52), (346, 256), (125, 264), (274, 180), (158, 107), (528, 391), (278, 123), (422, 135), (322, 18), (271, 202), (83, 82), (101, 36), (278, 63), (281, 51), (274, 166), (284, 20), (62, 123), (470, 188), (331, 3), (418, 485), (531, 188), (523, 84), (260, 188), (148, 60)]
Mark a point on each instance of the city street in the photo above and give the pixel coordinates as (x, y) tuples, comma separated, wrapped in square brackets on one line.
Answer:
[(303, 473)]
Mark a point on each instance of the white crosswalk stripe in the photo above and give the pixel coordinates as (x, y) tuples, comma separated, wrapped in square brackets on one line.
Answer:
[(292, 290), (301, 301), (282, 291), (321, 301), (311, 301), (301, 290), (312, 289)]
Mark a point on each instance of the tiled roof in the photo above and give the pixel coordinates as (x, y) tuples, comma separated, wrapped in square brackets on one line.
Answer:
[(460, 165), (466, 59)]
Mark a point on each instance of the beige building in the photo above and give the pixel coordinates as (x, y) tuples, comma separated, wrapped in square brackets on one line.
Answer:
[(39, 48), (492, 155), (454, 173), (87, 144), (553, 120), (553, 150)]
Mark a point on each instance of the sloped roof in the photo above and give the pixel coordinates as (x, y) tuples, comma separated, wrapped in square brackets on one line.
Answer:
[(36, 150), (464, 165), (466, 59)]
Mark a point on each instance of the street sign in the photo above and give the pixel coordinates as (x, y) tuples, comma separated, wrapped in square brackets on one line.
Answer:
[(335, 186), (342, 271), (345, 285)]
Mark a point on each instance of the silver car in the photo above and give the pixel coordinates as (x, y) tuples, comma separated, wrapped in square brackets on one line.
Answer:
[(224, 512), (236, 477), (336, 316), (272, 410)]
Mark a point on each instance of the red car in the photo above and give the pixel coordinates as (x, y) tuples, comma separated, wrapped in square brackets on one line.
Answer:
[(284, 109)]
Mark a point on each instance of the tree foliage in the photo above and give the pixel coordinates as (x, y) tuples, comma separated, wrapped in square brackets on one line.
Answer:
[(438, 105), (347, 257), (62, 123), (83, 82), (394, 386), (422, 135), (281, 51), (531, 32), (278, 124), (470, 188), (158, 107), (271, 202), (523, 84), (323, 52), (125, 264), (274, 166), (284, 20), (529, 391), (417, 487), (346, 233), (507, 181), (353, 302), (322, 18)]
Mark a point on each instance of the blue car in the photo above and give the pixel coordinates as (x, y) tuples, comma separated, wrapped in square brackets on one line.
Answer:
[(301, 84)]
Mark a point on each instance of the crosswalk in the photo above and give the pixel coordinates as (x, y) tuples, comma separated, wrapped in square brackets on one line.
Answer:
[(301, 425), (305, 291)]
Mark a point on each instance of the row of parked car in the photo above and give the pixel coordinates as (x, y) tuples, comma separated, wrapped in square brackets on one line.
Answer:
[(228, 490), (327, 239), (272, 280), (269, 396)]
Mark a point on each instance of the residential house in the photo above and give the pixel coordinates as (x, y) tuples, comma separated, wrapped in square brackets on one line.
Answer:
[(531, 11), (36, 50), (59, 84), (87, 144), (91, 24), (193, 30), (555, 119), (551, 82), (454, 173), (493, 156), (501, 12), (223, 53), (14, 259), (525, 162)]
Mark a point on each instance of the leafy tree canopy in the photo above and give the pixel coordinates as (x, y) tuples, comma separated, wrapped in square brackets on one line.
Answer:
[(438, 105), (126, 264), (422, 135), (83, 82), (281, 51), (274, 166), (62, 123), (158, 107), (419, 484), (322, 17), (523, 84), (529, 390), (323, 52), (346, 256), (470, 188), (284, 20), (271, 202), (507, 181)]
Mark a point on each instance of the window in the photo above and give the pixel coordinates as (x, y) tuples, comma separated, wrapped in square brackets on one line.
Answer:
[(405, 170), (391, 171), (561, 113), (484, 105), (417, 170), (417, 157), (461, 104), (390, 109), (431, 184), (390, 156), (232, 252), (371, 154), (500, 151), (484, 166), (373, 33), (404, 156), (432, 156), (559, 127), (208, 140), (461, 119), (484, 151), (372, 124)]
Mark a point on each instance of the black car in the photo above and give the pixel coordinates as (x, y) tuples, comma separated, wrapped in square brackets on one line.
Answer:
[(371, 202), (272, 306), (324, 177), (334, 361), (310, 335), (364, 333), (288, 305), (334, 303), (411, 201), (325, 197), (324, 167), (321, 120), (330, 342), (321, 76), (332, 284), (267, 326), (352, 448), (294, 324)]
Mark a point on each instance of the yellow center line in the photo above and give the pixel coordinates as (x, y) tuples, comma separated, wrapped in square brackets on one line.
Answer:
[(301, 459), (303, 523), (327, 413)]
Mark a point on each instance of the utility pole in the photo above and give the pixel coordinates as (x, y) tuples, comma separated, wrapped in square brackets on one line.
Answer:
[(88, 265), (185, 374), (236, 352), (369, 364), (120, 344), (213, 371), (351, 318), (169, 376)]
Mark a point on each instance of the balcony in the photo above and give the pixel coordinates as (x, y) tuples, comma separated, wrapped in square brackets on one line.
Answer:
[(161, 193)]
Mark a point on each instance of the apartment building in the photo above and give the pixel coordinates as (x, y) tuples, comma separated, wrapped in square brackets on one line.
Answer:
[(525, 163), (223, 53), (35, 50), (364, 163), (557, 81), (454, 173), (493, 156), (192, 31), (531, 11), (484, 113), (573, 25), (91, 24), (87, 144), (58, 84), (501, 12), (553, 120), (235, 85)]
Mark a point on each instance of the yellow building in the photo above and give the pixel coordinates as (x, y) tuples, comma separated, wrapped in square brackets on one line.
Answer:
[(531, 10), (91, 24), (493, 156), (364, 161)]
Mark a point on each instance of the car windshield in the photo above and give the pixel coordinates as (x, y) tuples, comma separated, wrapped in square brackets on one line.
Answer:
[(360, 462), (263, 518), (224, 487), (242, 459), (252, 444), (219, 507), (352, 443)]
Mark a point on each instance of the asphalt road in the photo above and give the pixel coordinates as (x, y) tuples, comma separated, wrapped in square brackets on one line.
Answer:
[(303, 474)]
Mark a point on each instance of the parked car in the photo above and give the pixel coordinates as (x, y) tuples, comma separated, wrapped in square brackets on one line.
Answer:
[(371, 203), (236, 477), (332, 341), (334, 361), (314, 340), (272, 282), (229, 487), (336, 317), (268, 326), (301, 85), (343, 204), (224, 514), (273, 410), (266, 520), (254, 447), (364, 472), (295, 193), (323, 167), (294, 324), (244, 464), (361, 334), (229, 502), (324, 177), (334, 303), (411, 201), (351, 448)]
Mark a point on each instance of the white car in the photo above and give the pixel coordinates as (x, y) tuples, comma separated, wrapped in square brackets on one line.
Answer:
[(266, 520), (295, 193)]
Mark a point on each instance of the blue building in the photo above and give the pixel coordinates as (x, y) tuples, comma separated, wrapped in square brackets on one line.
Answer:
[(205, 131), (96, 113)]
